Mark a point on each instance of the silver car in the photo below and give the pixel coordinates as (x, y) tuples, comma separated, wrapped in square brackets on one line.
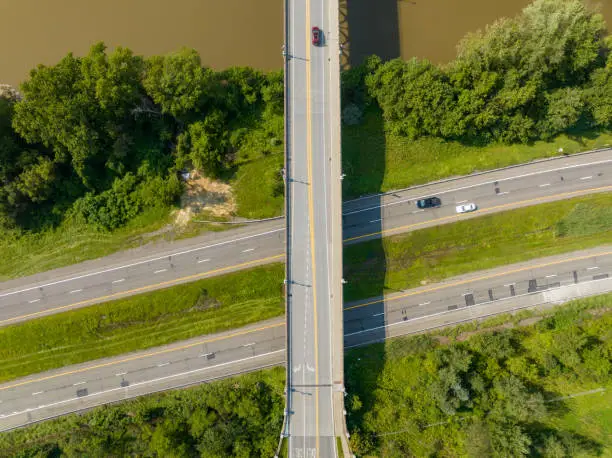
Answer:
[(465, 208)]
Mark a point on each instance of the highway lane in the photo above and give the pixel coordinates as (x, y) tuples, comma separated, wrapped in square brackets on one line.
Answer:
[(314, 195), (261, 345), (150, 268)]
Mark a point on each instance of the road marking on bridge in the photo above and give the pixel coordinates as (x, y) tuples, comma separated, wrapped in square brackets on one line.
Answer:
[(160, 271), (33, 300), (203, 260), (587, 178), (142, 289), (247, 250), (75, 291), (311, 217), (544, 185), (137, 357), (119, 281)]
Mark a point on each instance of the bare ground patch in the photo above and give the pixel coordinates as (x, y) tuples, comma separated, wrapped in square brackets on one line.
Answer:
[(204, 195)]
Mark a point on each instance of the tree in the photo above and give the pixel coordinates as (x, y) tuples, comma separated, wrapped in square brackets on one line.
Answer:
[(206, 143), (273, 93), (512, 400), (79, 108), (565, 108), (450, 388), (415, 97), (177, 82), (599, 96), (508, 440)]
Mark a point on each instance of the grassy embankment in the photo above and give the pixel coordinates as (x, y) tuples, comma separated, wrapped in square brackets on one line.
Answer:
[(142, 321), (390, 390), (241, 416), (433, 254), (430, 255), (510, 378), (410, 162), (255, 184), (253, 179)]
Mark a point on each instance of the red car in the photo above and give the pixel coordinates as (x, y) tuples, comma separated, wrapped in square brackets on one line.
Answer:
[(316, 36)]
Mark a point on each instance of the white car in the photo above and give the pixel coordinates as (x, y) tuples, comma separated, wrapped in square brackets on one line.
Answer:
[(465, 208)]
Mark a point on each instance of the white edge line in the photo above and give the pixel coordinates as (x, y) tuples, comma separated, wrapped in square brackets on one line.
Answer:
[(144, 383), (516, 177), (112, 269), (444, 312), (179, 253)]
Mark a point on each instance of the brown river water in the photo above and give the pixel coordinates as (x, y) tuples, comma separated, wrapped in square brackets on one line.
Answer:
[(234, 32)]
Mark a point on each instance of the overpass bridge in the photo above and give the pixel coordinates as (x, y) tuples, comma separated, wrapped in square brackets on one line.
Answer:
[(315, 375)]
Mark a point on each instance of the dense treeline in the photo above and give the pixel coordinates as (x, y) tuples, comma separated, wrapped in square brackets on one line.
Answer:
[(496, 394), (547, 71), (240, 417), (103, 136)]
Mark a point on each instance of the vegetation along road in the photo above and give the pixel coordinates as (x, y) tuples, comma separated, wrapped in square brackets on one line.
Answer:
[(481, 294), (366, 218)]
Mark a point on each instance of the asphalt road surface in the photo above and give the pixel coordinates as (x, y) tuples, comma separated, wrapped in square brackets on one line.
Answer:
[(547, 280), (314, 195), (149, 268)]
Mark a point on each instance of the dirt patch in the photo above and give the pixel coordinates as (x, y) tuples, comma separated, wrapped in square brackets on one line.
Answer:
[(530, 321), (203, 195), (466, 335)]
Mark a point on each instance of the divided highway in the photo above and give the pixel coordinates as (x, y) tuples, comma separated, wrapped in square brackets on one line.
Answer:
[(553, 279), (153, 267)]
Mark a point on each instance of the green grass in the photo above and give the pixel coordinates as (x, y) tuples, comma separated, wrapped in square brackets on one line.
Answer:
[(254, 187), (257, 166), (589, 416), (27, 253), (430, 255), (393, 386), (377, 162), (240, 417), (142, 321)]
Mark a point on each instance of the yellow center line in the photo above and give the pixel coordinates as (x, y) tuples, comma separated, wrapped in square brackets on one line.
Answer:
[(311, 218), (137, 357), (470, 280), (146, 288), (482, 212)]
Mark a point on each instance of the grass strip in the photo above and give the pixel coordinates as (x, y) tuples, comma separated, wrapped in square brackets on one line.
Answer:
[(375, 161), (143, 321), (429, 255)]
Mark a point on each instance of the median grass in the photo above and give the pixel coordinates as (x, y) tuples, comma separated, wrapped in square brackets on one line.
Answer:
[(376, 161), (542, 389), (430, 255), (142, 321)]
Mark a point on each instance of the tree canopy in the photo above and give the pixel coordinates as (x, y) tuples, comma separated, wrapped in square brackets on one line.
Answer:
[(94, 135), (544, 72)]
